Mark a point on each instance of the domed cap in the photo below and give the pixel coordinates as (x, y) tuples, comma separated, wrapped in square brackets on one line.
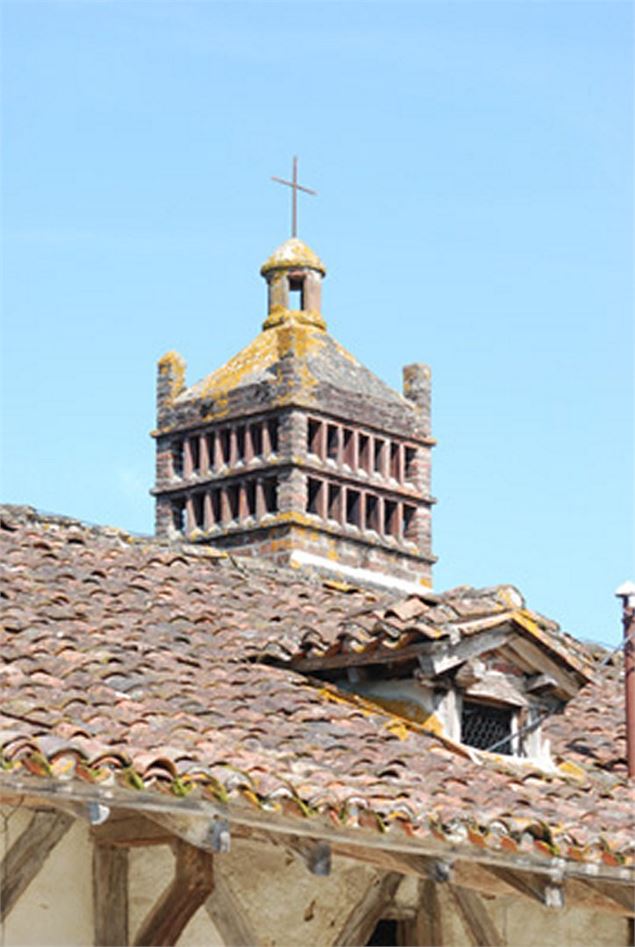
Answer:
[(291, 255)]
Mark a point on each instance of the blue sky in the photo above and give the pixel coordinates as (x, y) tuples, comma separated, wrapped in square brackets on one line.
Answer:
[(475, 211)]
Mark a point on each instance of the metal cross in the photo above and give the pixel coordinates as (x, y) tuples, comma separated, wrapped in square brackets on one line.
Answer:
[(294, 203)]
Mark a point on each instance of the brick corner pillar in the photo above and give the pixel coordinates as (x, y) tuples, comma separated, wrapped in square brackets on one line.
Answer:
[(163, 461), (292, 435), (170, 381), (292, 491), (417, 386), (422, 533), (163, 517)]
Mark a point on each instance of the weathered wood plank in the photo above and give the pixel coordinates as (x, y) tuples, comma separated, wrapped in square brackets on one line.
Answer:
[(191, 886), (110, 895), (616, 898), (130, 831), (362, 920), (566, 681), (485, 879), (24, 860), (531, 886), (405, 864), (427, 929), (229, 916), (541, 888), (476, 919), (441, 656)]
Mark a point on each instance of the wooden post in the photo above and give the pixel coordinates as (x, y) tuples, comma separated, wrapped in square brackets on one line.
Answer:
[(362, 920), (475, 917), (25, 858), (428, 924), (191, 886), (229, 916), (110, 895)]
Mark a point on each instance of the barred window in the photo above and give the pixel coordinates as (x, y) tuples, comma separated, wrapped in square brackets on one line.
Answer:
[(486, 726)]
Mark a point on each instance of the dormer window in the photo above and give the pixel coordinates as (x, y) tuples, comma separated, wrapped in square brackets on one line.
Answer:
[(487, 726)]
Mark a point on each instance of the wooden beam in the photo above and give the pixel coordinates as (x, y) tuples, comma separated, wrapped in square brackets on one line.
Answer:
[(427, 928), (567, 683), (475, 917), (191, 886), (130, 831), (110, 895), (405, 864), (609, 896), (229, 917), (439, 657), (362, 920), (540, 888), (348, 659), (27, 855), (488, 879)]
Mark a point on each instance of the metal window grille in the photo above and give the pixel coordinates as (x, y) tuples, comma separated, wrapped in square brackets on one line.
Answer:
[(483, 726)]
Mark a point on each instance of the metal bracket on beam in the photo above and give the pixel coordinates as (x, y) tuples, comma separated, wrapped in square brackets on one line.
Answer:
[(440, 871), (318, 859), (219, 836)]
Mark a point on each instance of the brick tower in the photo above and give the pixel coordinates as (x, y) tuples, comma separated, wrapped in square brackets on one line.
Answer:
[(295, 451)]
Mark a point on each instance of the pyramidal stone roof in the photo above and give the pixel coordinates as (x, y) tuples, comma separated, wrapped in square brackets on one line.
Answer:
[(292, 362), (295, 361)]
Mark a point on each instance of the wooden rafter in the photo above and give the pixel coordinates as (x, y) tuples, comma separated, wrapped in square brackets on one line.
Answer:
[(110, 895), (191, 886), (612, 897), (27, 855), (475, 917), (568, 684), (427, 927), (362, 920), (615, 898), (131, 830), (531, 886), (229, 916)]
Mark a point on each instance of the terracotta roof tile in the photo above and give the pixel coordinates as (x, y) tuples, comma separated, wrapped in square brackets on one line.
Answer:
[(131, 660)]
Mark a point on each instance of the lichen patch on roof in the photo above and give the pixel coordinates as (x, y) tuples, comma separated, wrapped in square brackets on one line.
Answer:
[(292, 362)]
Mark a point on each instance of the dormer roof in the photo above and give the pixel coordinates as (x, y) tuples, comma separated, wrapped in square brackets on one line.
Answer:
[(299, 364), (445, 630)]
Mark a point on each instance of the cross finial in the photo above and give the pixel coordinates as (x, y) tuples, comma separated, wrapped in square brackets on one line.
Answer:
[(293, 183)]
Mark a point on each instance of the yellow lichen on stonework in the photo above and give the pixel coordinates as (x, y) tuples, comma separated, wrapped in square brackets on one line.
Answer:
[(411, 710), (173, 365), (345, 353), (260, 357), (400, 726), (526, 621), (293, 254), (299, 339), (256, 357), (280, 316), (567, 768)]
